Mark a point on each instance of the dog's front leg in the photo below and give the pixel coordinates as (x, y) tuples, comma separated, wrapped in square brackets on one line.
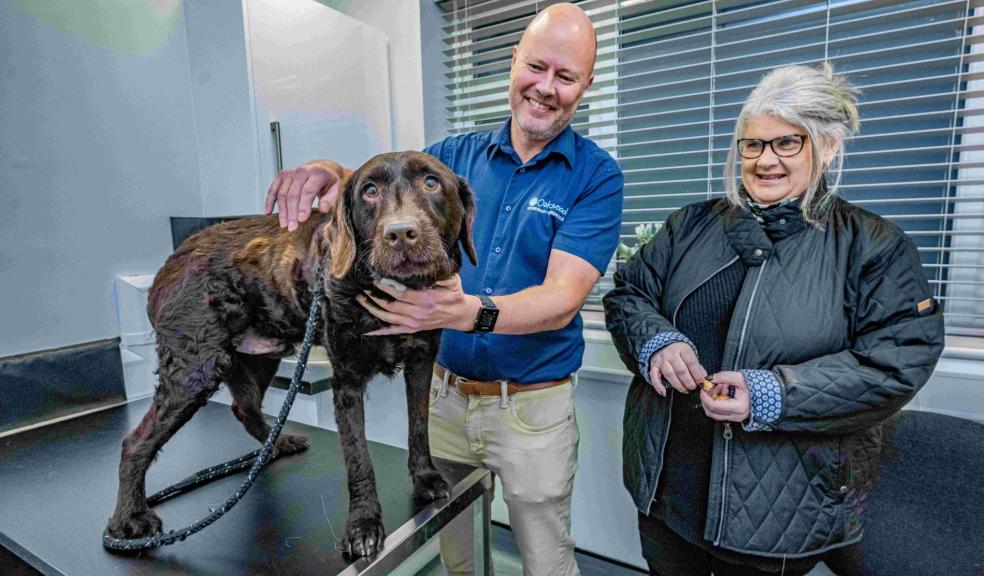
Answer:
[(428, 484), (364, 531)]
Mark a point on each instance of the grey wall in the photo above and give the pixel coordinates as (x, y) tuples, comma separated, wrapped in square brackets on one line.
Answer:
[(398, 19), (225, 124), (117, 114), (432, 63), (96, 150)]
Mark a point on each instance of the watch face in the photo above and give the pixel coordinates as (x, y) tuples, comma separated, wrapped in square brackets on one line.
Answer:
[(486, 319)]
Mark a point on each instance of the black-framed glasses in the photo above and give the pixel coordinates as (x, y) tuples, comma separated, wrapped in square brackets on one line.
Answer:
[(784, 146)]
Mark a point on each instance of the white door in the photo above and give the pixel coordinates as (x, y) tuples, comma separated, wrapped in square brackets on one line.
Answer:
[(324, 77)]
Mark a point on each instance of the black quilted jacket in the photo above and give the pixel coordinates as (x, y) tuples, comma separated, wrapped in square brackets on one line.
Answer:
[(842, 315)]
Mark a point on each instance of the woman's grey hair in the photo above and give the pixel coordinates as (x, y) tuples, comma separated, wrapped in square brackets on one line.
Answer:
[(825, 105)]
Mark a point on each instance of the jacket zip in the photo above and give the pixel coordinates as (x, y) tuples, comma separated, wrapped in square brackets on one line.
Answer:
[(724, 480), (727, 425), (748, 313), (702, 282), (669, 416), (662, 451)]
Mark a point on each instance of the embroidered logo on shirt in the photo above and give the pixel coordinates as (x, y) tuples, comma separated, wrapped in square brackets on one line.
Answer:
[(544, 206)]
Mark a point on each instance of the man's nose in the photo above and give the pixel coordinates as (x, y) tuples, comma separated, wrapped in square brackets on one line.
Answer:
[(546, 85)]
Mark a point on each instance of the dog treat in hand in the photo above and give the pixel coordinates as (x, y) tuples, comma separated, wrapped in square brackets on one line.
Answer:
[(708, 385), (730, 394)]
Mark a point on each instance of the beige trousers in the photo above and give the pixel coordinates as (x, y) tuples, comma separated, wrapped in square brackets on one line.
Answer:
[(529, 440)]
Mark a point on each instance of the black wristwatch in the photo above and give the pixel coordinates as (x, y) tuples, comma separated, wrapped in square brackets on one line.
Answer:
[(487, 315)]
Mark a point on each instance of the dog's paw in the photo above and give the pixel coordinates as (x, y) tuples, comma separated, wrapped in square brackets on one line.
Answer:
[(136, 525), (429, 485), (364, 537), (292, 443)]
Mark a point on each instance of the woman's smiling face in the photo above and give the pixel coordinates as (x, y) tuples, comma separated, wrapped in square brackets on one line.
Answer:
[(769, 178)]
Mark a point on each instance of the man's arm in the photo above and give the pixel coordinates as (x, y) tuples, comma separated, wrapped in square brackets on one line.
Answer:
[(547, 306), (294, 190)]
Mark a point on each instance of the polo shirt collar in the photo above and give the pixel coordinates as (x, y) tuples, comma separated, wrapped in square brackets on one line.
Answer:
[(562, 145)]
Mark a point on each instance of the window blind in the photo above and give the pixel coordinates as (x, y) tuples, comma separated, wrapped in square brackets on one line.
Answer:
[(671, 77)]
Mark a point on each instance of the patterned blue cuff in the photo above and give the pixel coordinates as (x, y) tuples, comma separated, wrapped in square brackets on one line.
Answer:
[(657, 343), (765, 394)]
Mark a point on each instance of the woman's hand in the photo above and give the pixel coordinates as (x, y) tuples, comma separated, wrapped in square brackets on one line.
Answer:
[(727, 408), (678, 364)]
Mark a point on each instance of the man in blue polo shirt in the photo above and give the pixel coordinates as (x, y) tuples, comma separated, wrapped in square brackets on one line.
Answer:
[(549, 207)]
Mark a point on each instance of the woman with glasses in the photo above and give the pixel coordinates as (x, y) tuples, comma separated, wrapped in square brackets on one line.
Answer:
[(771, 332)]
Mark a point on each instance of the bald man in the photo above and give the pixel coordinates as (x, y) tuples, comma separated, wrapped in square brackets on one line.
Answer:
[(549, 208)]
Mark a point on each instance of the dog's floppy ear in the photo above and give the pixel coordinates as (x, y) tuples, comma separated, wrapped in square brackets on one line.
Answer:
[(341, 234), (468, 220)]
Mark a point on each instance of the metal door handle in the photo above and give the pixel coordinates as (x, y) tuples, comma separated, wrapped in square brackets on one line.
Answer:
[(275, 128)]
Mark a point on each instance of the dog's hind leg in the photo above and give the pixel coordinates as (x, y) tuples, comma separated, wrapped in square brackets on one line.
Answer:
[(428, 484), (248, 379), (185, 386), (364, 531)]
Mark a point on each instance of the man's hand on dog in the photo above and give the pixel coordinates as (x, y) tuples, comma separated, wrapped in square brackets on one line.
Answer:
[(443, 306), (294, 191)]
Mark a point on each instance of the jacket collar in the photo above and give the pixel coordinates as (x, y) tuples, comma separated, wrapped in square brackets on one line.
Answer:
[(752, 234), (780, 221)]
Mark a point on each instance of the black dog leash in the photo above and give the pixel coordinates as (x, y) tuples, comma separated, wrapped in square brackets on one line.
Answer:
[(254, 460)]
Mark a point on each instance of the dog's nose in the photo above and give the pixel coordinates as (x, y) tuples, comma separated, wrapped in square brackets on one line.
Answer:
[(401, 232)]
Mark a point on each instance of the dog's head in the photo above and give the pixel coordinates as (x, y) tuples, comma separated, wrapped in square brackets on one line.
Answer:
[(403, 216)]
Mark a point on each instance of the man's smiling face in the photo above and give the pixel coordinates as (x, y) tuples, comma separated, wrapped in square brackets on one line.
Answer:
[(551, 70)]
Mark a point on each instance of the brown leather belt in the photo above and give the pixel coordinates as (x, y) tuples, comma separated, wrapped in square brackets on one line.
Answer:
[(494, 387)]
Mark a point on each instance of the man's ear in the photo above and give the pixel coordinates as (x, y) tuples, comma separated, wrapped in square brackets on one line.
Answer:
[(467, 220), (341, 234)]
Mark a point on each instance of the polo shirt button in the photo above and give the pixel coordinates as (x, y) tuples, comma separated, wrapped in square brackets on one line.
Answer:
[(758, 252), (488, 290), (498, 249), (508, 208), (523, 170)]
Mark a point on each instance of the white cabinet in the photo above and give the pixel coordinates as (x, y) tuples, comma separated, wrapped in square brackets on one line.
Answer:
[(323, 76)]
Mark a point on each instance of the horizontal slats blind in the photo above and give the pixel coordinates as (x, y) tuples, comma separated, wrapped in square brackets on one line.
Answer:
[(671, 77)]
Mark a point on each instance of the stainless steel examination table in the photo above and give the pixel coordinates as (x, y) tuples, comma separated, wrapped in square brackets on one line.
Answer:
[(58, 488)]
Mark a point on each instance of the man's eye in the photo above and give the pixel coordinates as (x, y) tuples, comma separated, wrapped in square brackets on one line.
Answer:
[(370, 191), (431, 183), (536, 67)]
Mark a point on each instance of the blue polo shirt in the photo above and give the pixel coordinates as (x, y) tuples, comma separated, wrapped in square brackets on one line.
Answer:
[(568, 197)]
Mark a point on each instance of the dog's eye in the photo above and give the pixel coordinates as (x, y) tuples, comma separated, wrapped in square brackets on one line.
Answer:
[(431, 184), (370, 191)]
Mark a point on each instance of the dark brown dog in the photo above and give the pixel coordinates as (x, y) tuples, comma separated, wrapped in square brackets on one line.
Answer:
[(234, 298)]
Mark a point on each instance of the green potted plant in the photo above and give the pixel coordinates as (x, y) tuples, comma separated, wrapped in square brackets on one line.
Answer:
[(643, 233)]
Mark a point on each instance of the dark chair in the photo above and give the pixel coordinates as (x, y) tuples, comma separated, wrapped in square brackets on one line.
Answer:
[(926, 514)]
